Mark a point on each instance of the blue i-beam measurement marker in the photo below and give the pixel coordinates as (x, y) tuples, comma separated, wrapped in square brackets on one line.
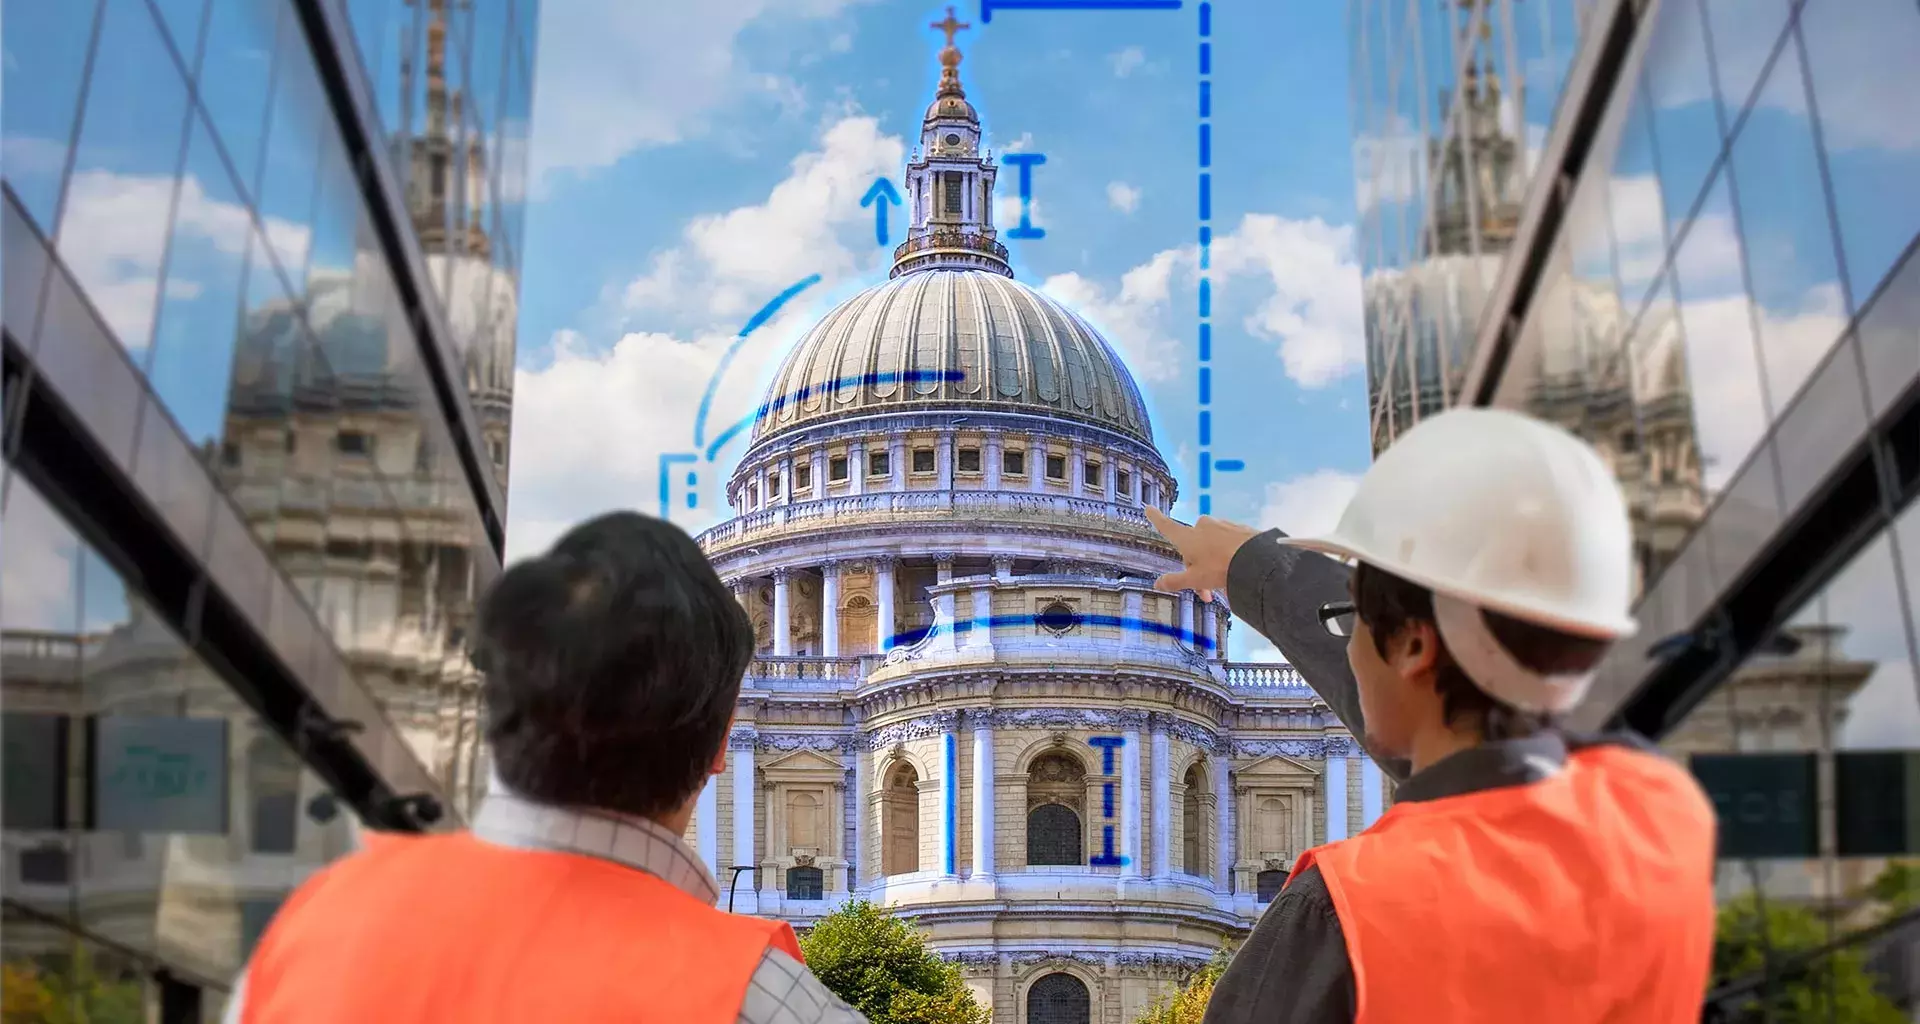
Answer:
[(1204, 333), (987, 7)]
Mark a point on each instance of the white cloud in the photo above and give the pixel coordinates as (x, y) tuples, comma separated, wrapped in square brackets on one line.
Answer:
[(1006, 212), (1122, 196), (1314, 309), (1130, 319), (1308, 504), (37, 577), (1126, 61), (616, 76), (1019, 145), (729, 263), (114, 235), (1387, 165)]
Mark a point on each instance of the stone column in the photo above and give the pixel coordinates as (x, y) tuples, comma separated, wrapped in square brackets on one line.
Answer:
[(1371, 793), (980, 630), (1131, 614), (943, 567), (943, 460), (1224, 841), (1109, 471), (949, 792), (1135, 486), (1210, 628), (706, 815), (1036, 463), (1162, 799), (740, 745), (983, 805), (1002, 567), (897, 463), (990, 462), (1336, 790), (1131, 721), (830, 609), (883, 603), (819, 480), (857, 468), (1076, 470), (782, 613), (859, 806), (1186, 618)]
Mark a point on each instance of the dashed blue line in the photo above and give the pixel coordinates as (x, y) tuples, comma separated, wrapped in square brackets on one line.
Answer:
[(1206, 344), (1205, 304), (1206, 144), (1206, 197), (1206, 296), (1206, 470), (1206, 20), (1206, 387), (1206, 99), (1206, 58), (1206, 427)]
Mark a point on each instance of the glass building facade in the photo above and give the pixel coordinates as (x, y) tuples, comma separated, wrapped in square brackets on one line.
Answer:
[(261, 262), (1705, 266)]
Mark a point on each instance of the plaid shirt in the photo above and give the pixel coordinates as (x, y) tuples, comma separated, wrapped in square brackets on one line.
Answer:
[(781, 991)]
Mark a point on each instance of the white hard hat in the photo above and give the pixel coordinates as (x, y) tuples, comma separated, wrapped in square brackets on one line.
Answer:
[(1495, 510)]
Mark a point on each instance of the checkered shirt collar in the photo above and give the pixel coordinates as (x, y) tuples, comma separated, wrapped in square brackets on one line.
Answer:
[(509, 819)]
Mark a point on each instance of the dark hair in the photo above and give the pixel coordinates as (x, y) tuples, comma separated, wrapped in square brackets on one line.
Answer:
[(612, 665), (1388, 604)]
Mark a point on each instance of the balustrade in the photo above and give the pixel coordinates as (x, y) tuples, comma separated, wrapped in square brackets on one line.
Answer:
[(896, 505)]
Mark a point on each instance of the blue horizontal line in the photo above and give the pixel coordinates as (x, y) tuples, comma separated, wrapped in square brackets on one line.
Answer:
[(987, 6), (1186, 636), (1230, 465)]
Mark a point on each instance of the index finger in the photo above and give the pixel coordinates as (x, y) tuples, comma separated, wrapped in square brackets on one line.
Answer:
[(1169, 527)]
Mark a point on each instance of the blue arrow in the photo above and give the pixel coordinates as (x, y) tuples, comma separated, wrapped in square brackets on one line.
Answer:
[(880, 187)]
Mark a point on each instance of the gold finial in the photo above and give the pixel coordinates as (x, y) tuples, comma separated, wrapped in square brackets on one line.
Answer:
[(950, 56)]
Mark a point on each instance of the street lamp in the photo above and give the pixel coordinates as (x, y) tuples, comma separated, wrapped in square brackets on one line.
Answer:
[(737, 868)]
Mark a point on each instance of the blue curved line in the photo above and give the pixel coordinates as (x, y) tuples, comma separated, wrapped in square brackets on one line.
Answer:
[(1187, 636), (825, 387), (713, 384)]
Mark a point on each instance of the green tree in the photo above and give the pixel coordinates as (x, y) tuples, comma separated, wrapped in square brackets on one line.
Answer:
[(882, 966), (1189, 1002), (41, 993), (1835, 987), (1897, 888)]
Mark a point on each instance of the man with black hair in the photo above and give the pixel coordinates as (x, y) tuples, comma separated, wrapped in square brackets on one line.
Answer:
[(1523, 874), (612, 664)]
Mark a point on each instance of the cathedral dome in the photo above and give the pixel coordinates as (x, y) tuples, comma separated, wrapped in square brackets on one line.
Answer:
[(953, 340)]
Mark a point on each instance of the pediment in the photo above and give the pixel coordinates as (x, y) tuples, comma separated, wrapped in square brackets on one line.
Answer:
[(1275, 766), (805, 761)]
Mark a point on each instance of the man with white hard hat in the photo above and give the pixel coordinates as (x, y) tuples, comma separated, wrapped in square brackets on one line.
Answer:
[(1523, 874)]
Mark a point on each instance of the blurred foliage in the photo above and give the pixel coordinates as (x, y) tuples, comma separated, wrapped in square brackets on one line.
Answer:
[(1189, 1002), (882, 966), (40, 993), (1836, 987)]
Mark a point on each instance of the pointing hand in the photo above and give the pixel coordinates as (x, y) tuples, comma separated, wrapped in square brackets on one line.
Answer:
[(1207, 547)]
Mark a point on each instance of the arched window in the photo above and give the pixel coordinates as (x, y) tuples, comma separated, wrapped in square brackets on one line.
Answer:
[(273, 796), (805, 884), (1270, 884), (1056, 794), (900, 822), (1059, 999), (1193, 822)]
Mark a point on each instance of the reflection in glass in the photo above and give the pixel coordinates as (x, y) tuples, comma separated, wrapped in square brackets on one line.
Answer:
[(113, 225), (193, 346), (1744, 35), (1672, 499), (1633, 200), (1686, 123), (235, 73), (298, 132), (1728, 403), (78, 643), (1789, 240), (1848, 686), (45, 47), (1861, 66)]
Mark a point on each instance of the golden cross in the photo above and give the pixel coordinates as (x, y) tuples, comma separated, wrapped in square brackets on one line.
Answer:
[(950, 26)]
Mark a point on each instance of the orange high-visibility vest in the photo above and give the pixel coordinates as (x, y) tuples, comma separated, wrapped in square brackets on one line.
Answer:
[(452, 928), (1581, 898)]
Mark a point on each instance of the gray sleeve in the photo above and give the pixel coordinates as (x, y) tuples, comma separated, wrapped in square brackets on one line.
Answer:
[(783, 991), (236, 1009), (1294, 967), (1278, 591)]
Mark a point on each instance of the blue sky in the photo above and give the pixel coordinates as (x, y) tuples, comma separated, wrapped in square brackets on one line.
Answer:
[(723, 155)]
